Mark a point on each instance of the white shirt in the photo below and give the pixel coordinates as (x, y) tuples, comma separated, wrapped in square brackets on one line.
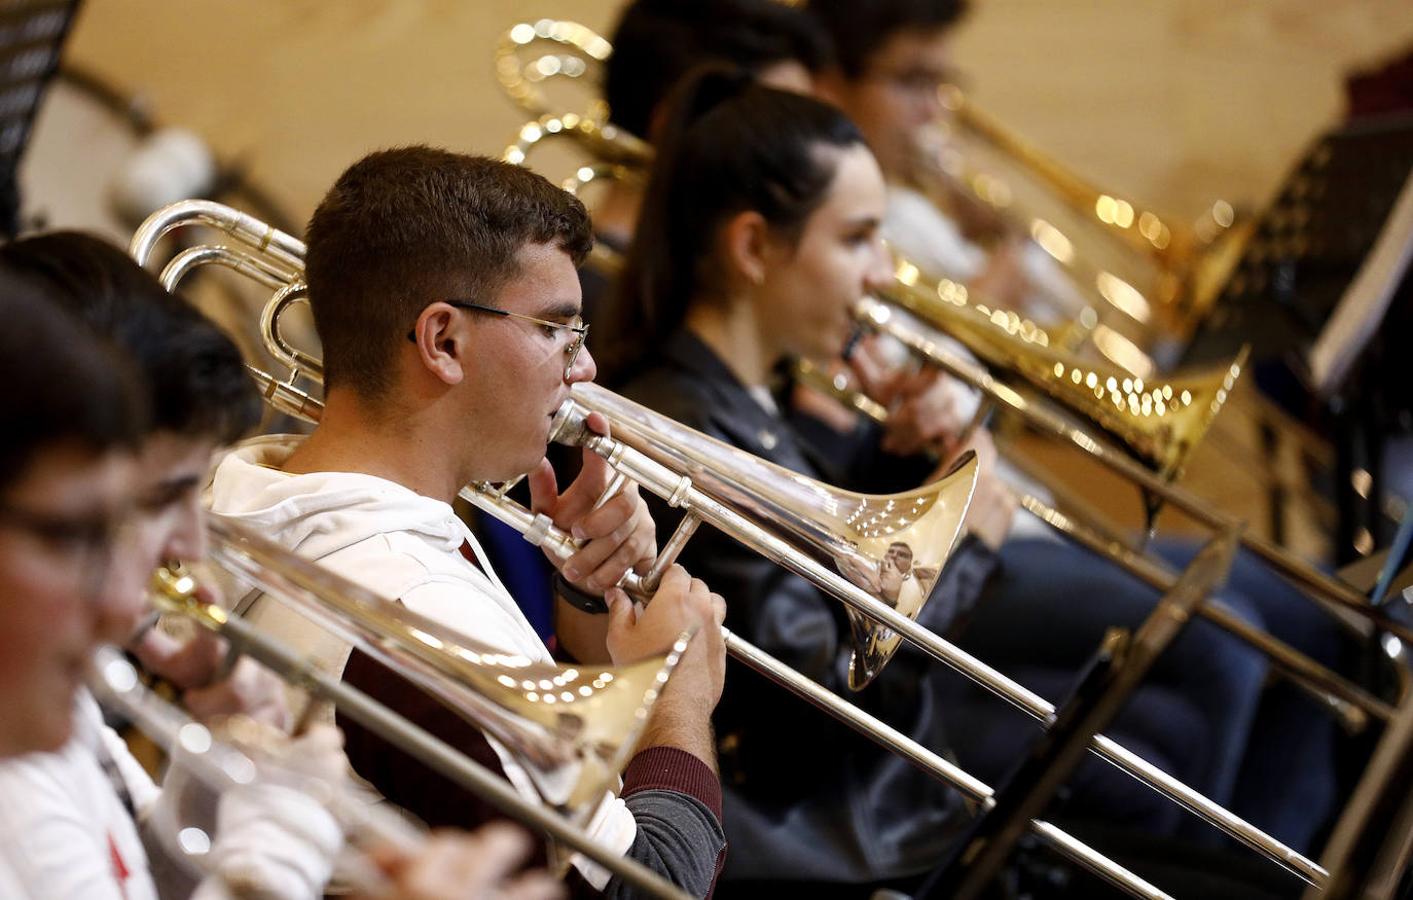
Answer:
[(928, 238), (66, 835), (402, 546), (63, 831)]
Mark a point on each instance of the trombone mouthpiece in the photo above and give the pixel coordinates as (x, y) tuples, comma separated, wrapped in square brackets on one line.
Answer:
[(569, 425)]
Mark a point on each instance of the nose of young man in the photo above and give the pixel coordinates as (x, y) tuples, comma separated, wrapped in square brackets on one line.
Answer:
[(120, 599), (585, 368)]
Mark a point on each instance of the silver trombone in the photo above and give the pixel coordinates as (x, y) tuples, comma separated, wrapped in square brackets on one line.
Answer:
[(660, 464), (483, 691), (852, 529), (213, 761)]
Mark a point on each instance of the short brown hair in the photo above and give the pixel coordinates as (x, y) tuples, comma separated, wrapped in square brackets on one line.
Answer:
[(402, 228)]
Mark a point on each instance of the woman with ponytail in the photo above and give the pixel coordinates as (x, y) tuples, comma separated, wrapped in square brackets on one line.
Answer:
[(758, 232)]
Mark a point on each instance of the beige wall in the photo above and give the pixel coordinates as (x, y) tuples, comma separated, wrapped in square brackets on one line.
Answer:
[(1172, 101), (1175, 102)]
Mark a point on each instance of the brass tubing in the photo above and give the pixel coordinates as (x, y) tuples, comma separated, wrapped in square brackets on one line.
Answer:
[(670, 551), (430, 750), (1320, 586), (661, 480), (522, 520)]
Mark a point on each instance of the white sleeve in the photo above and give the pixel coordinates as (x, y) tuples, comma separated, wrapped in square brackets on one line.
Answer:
[(614, 827), (273, 841), (928, 239)]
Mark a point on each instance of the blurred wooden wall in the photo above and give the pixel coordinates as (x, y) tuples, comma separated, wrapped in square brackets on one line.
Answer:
[(1174, 102)]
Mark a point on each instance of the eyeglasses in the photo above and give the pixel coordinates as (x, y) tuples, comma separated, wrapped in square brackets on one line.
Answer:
[(918, 81), (576, 326), (88, 543)]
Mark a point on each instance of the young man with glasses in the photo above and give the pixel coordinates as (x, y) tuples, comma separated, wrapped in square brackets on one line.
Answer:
[(445, 295), (890, 60)]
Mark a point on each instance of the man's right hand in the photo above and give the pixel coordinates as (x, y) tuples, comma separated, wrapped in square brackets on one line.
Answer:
[(682, 603)]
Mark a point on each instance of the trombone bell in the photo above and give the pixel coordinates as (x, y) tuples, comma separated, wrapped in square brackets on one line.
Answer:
[(570, 728), (891, 545), (1159, 421)]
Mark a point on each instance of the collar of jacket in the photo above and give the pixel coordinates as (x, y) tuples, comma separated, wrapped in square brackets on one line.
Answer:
[(738, 416)]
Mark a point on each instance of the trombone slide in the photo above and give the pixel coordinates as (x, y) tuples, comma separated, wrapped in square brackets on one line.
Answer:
[(663, 481), (537, 529), (176, 596)]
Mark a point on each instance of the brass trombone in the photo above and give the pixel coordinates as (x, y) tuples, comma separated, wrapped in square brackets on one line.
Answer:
[(569, 747), (661, 455), (1156, 424), (1192, 262), (211, 760)]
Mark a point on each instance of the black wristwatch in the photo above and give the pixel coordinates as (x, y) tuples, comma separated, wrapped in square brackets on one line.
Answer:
[(577, 598)]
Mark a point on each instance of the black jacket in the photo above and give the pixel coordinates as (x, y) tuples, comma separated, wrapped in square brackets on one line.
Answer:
[(808, 798)]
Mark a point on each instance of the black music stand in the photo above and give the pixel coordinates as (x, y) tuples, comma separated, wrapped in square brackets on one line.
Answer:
[(1106, 685), (1301, 282), (32, 34), (1369, 854)]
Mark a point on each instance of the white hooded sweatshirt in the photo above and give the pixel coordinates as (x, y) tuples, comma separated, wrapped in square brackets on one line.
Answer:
[(399, 544)]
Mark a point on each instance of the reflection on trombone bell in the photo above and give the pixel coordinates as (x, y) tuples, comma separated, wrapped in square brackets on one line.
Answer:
[(894, 579), (572, 754), (805, 526)]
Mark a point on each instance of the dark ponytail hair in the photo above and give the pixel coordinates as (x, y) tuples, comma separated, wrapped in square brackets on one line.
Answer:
[(729, 145)]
